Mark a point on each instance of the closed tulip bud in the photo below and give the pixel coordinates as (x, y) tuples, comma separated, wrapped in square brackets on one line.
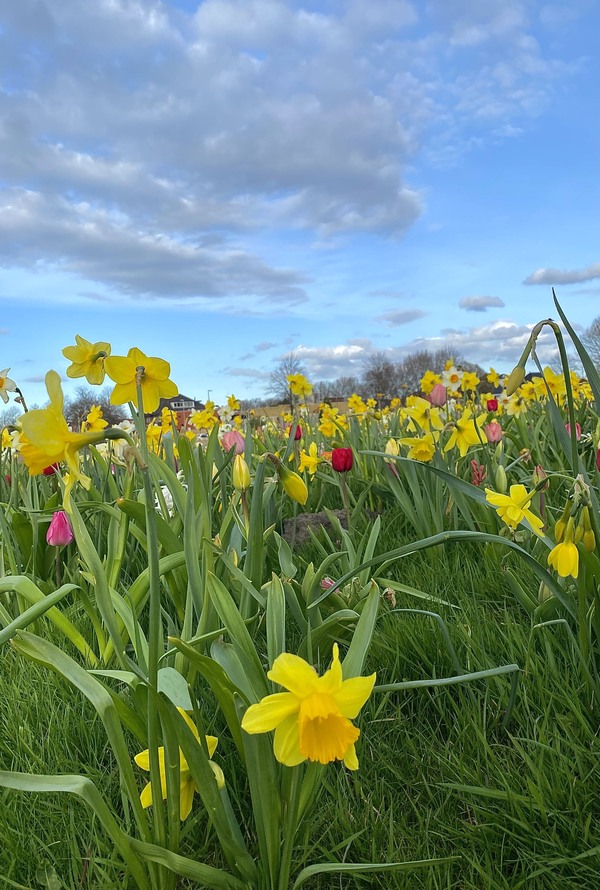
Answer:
[(500, 479), (392, 447), (539, 476), (493, 432), (437, 396), (293, 484), (51, 470), (342, 459), (515, 379), (577, 430), (59, 532), (241, 474), (233, 439), (297, 432), (492, 404)]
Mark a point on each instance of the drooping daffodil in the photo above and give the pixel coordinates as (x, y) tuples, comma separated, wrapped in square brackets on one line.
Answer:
[(47, 438), (6, 385), (187, 786), (513, 508)]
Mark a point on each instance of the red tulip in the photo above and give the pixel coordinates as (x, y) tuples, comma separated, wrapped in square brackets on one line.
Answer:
[(297, 432), (492, 404), (51, 470), (342, 459), (60, 531)]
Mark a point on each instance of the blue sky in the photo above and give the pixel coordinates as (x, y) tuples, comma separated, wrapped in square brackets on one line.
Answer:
[(222, 183)]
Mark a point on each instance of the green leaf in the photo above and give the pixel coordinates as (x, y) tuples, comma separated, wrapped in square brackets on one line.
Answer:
[(353, 662), (275, 619), (87, 791), (175, 687), (358, 867), (205, 875)]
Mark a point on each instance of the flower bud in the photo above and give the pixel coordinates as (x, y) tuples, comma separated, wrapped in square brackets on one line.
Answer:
[(577, 430), (539, 475), (342, 459), (59, 532), (392, 447), (500, 479), (241, 474), (297, 432), (515, 379), (233, 439), (437, 396), (293, 484), (492, 405), (493, 432)]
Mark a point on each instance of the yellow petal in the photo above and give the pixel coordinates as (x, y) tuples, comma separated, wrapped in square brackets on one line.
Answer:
[(350, 758), (331, 681), (286, 744), (143, 759), (293, 673), (270, 712), (157, 368), (55, 391), (146, 796), (219, 775), (120, 369), (186, 797), (353, 694), (211, 743), (124, 392)]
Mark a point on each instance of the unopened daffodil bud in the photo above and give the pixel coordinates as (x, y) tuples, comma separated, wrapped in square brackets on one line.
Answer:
[(515, 379), (294, 485), (500, 479), (561, 524), (241, 474)]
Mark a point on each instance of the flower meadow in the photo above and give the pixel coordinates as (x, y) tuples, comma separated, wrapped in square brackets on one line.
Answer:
[(341, 647)]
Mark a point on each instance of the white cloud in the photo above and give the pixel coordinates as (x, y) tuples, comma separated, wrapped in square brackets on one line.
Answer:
[(329, 362), (479, 304), (264, 345), (561, 276)]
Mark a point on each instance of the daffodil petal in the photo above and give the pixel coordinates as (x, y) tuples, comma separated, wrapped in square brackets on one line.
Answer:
[(219, 775), (286, 744), (120, 369), (143, 759), (270, 712), (293, 673), (332, 680), (146, 796), (350, 758), (353, 695), (186, 797), (211, 743)]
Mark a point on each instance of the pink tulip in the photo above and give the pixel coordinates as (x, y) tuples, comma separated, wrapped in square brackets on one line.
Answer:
[(233, 439), (577, 430), (60, 532), (493, 432), (437, 396)]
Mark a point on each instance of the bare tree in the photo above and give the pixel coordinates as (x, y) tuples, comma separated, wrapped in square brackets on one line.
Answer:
[(412, 369), (591, 340), (9, 415), (278, 385), (78, 406), (379, 376)]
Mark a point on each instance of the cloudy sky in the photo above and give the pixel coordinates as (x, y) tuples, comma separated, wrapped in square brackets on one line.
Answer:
[(223, 182)]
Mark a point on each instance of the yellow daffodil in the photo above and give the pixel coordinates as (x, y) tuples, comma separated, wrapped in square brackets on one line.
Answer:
[(516, 406), (565, 559), (153, 375), (356, 404), (421, 412), (299, 385), (421, 449), (94, 420), (47, 439), (469, 381), (311, 720), (309, 460), (428, 381), (513, 507), (6, 385), (465, 433), (233, 403), (494, 378), (87, 360), (187, 786)]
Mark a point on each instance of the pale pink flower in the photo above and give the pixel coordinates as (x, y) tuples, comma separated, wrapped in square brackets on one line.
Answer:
[(233, 439), (493, 431)]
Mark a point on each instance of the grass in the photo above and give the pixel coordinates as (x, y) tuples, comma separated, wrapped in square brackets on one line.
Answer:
[(439, 774)]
